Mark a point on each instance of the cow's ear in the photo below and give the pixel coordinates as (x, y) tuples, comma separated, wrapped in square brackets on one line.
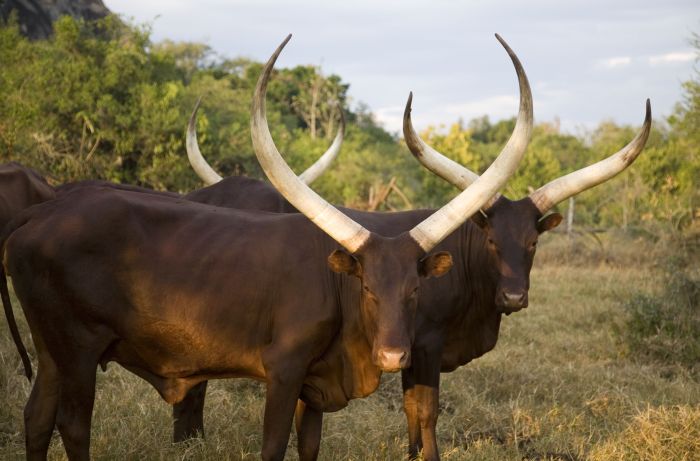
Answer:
[(549, 222), (480, 219), (343, 262), (435, 265)]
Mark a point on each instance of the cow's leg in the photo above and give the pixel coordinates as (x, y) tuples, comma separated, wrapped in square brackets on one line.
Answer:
[(410, 408), (40, 411), (309, 423), (76, 399), (285, 368), (427, 389), (299, 415), (188, 415), (280, 401)]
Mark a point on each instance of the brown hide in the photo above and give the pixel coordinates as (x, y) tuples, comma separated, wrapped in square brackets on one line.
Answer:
[(20, 188), (242, 193), (171, 290)]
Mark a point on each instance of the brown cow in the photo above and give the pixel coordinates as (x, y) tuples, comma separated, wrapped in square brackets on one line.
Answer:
[(498, 248), (20, 188), (245, 193), (170, 289)]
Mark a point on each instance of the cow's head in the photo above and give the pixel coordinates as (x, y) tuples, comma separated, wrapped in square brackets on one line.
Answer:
[(511, 228), (389, 268)]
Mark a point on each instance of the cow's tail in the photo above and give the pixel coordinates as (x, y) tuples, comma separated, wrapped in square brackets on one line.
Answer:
[(7, 305)]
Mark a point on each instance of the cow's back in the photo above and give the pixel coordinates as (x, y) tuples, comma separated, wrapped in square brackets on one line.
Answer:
[(20, 187), (242, 193)]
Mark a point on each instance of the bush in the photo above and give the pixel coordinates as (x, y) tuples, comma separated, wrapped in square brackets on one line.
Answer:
[(666, 325)]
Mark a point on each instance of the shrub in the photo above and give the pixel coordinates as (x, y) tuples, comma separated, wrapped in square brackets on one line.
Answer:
[(666, 325)]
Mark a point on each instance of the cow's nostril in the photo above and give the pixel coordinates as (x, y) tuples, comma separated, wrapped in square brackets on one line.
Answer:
[(392, 360), (515, 300)]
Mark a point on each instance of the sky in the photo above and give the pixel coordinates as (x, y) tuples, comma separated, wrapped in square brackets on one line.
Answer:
[(587, 61)]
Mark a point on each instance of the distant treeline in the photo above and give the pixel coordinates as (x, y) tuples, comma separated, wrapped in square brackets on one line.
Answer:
[(100, 100)]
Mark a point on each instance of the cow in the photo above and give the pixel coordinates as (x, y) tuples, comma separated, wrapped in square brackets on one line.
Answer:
[(171, 290), (501, 242), (20, 188), (459, 315), (247, 193)]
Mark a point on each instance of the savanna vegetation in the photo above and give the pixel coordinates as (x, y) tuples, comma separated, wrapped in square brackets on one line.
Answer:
[(604, 364)]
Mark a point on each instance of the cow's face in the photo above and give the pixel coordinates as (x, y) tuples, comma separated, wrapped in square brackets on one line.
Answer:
[(390, 270), (511, 231)]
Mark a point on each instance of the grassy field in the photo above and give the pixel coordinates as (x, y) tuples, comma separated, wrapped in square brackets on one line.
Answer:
[(558, 386)]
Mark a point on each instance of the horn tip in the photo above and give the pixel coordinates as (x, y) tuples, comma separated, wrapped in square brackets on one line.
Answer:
[(501, 40), (647, 116), (507, 47), (194, 113), (409, 102)]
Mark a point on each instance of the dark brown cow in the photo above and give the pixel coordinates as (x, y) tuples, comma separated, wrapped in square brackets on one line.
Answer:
[(20, 188), (170, 289), (498, 248), (246, 193)]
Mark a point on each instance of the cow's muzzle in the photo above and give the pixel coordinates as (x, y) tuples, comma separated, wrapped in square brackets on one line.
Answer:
[(391, 360), (511, 301)]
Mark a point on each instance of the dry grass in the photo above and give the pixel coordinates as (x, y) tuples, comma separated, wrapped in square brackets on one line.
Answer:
[(656, 434), (557, 387)]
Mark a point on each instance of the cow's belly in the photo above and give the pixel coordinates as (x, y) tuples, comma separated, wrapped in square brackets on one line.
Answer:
[(170, 349), (174, 371)]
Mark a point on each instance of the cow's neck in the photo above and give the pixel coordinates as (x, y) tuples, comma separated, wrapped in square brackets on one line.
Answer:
[(345, 370), (360, 375), (474, 328)]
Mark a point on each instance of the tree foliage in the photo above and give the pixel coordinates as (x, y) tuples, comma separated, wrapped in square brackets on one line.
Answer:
[(101, 100)]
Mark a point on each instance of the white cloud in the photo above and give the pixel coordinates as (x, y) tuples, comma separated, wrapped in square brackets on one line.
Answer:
[(673, 57), (616, 62)]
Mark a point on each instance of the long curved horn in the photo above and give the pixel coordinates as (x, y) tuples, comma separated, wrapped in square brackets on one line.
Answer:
[(312, 173), (340, 227), (562, 188), (207, 174), (448, 169), (441, 223)]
